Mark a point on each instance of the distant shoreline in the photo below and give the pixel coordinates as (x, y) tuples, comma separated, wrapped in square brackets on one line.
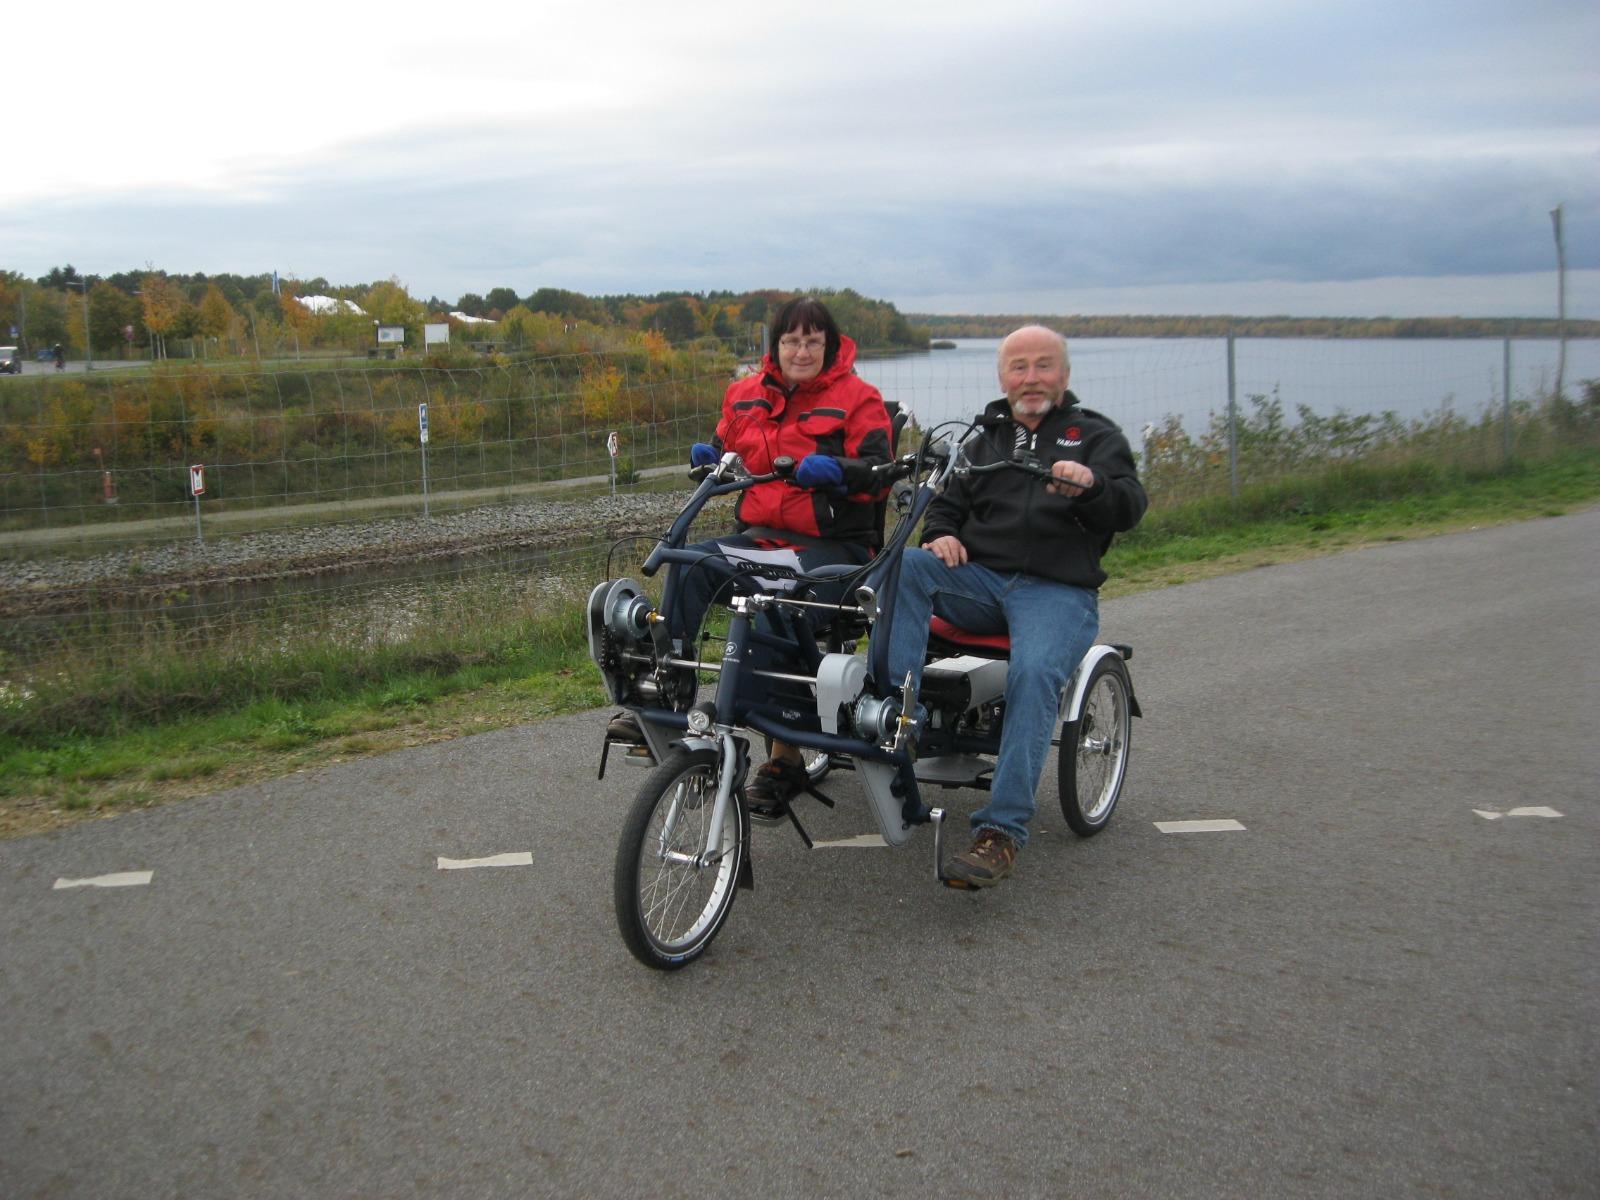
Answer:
[(987, 326)]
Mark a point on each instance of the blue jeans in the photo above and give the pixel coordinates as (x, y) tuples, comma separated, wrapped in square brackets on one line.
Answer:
[(1052, 625)]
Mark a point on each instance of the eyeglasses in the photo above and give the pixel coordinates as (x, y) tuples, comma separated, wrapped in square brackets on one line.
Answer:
[(791, 343)]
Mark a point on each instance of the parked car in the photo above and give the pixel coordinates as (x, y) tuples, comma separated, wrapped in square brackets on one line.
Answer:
[(10, 360)]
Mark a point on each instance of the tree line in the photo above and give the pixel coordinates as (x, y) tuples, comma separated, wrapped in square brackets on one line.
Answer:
[(153, 313), (982, 326)]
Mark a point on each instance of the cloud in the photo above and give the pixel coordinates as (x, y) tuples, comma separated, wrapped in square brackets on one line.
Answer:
[(903, 150)]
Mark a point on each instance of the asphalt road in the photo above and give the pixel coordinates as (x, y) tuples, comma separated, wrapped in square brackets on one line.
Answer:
[(31, 366), (1372, 989)]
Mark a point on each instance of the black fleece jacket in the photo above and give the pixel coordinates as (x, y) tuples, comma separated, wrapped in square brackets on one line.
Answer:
[(1009, 522)]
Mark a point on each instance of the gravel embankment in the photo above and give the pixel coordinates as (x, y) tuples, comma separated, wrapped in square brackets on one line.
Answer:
[(43, 584)]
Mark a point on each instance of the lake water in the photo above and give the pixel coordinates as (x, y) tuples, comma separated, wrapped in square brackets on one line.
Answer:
[(1139, 381)]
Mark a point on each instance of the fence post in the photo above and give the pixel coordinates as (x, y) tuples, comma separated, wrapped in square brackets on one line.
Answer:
[(422, 440), (1505, 396), (1233, 425)]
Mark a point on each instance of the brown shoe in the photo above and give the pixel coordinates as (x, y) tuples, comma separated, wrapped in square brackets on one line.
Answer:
[(624, 727), (776, 782), (625, 730), (990, 860)]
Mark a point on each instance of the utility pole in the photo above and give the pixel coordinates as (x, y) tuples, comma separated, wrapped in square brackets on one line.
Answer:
[(1561, 297)]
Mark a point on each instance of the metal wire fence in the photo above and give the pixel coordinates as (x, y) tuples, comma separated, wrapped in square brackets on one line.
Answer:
[(95, 451), (99, 465)]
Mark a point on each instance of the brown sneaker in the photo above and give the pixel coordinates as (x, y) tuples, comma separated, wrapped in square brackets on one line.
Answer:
[(624, 727), (990, 860), (776, 782)]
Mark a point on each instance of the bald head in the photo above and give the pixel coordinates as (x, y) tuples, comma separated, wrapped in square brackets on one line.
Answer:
[(1033, 372), (1033, 334)]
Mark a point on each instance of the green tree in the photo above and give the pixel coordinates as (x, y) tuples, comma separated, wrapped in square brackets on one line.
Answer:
[(389, 303), (677, 320), (111, 311), (13, 303), (523, 329), (47, 317), (573, 306), (502, 298)]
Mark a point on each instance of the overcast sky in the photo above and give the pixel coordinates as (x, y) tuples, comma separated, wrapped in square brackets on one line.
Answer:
[(1246, 156)]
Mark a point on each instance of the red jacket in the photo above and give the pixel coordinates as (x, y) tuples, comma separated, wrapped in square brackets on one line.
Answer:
[(837, 413)]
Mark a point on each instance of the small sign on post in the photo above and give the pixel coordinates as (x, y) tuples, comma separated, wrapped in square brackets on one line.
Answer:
[(613, 447), (422, 432), (197, 487)]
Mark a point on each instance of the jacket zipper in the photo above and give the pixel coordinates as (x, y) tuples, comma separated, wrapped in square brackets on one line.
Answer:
[(1027, 516)]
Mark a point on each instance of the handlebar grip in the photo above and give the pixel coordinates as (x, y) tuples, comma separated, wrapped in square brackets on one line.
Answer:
[(783, 467)]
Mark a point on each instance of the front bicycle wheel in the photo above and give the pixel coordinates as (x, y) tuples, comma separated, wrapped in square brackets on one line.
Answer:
[(1094, 750), (669, 903)]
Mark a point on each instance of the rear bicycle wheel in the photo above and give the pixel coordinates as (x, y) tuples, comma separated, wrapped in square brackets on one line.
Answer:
[(669, 905), (1093, 761)]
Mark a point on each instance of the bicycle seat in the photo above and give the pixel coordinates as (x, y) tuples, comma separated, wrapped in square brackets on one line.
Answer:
[(834, 570), (944, 637)]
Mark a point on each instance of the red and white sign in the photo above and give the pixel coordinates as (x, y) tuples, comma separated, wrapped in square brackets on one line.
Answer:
[(197, 479)]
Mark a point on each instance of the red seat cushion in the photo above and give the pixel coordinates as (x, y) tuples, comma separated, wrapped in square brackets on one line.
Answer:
[(994, 644)]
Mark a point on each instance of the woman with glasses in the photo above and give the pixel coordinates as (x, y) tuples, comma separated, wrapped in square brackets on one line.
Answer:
[(808, 404)]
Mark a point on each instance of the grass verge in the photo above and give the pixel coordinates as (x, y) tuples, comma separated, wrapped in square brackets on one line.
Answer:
[(241, 722)]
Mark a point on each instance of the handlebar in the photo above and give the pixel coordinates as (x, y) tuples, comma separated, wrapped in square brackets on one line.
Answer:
[(1027, 464)]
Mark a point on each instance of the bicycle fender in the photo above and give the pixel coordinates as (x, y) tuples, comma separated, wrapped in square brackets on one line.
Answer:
[(1078, 686)]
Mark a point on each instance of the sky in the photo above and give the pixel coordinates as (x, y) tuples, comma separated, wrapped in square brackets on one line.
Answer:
[(1049, 156)]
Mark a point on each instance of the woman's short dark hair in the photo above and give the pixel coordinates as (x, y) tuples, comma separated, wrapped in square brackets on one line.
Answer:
[(803, 313)]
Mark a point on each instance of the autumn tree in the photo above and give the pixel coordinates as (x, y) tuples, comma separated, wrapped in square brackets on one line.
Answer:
[(163, 304), (297, 318), (216, 316)]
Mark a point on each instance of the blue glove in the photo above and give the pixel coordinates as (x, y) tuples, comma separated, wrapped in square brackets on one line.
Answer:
[(819, 471), (703, 455)]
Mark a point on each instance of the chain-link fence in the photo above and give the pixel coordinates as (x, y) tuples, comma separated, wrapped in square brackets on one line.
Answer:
[(100, 562), (103, 450)]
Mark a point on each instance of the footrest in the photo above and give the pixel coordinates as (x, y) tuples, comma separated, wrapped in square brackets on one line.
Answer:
[(635, 754), (953, 770), (936, 815)]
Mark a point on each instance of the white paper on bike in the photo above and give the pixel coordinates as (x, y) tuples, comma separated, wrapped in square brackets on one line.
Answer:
[(783, 564)]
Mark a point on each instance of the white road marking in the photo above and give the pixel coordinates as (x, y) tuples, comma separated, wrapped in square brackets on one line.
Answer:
[(1537, 810), (120, 879), (862, 841), (520, 859), (1226, 826)]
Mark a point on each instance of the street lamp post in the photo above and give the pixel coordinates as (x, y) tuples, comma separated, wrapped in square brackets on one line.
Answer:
[(88, 341)]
